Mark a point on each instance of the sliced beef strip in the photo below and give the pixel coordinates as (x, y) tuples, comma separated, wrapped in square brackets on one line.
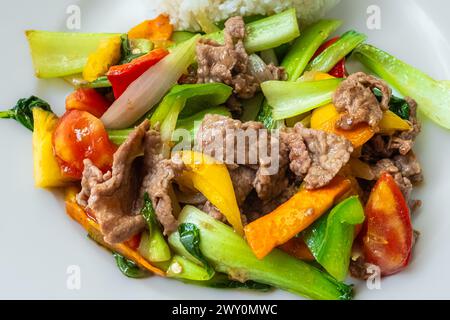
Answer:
[(112, 197), (327, 154), (405, 170), (356, 100), (229, 63), (158, 179)]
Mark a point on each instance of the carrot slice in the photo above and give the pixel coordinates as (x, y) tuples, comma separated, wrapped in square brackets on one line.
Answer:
[(293, 216)]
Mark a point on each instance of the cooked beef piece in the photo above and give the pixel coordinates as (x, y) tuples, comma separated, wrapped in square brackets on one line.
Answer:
[(157, 182), (359, 269), (328, 154), (356, 100), (402, 142), (210, 209), (234, 105), (229, 63), (190, 77), (405, 170), (242, 179), (112, 197), (300, 162)]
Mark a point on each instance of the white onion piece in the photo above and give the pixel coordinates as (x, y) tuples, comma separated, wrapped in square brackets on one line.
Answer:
[(258, 68), (147, 90)]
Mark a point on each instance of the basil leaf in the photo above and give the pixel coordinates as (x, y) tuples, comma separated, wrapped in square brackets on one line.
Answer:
[(190, 239), (128, 267), (23, 111)]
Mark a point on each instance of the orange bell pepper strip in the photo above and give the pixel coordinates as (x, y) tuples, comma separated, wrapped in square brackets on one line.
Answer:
[(157, 30), (388, 233), (213, 180), (93, 229), (293, 216)]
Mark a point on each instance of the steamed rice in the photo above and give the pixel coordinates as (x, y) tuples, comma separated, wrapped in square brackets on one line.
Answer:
[(182, 12)]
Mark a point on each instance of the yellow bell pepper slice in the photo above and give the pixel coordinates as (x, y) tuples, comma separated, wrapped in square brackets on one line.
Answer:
[(212, 179), (99, 62), (392, 122), (47, 172)]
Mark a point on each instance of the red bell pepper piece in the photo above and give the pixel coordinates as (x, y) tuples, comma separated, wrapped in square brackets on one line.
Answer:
[(388, 233), (88, 99), (338, 70), (122, 76)]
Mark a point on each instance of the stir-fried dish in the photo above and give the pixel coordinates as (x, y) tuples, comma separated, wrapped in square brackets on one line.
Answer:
[(244, 155)]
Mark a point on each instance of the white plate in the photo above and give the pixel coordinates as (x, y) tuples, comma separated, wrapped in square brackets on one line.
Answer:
[(39, 242)]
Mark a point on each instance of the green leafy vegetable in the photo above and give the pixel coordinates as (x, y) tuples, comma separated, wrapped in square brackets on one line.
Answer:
[(397, 105), (432, 96), (153, 245), (182, 268), (60, 54), (251, 108), (23, 111), (128, 267), (190, 239), (330, 238), (306, 45), (290, 99), (337, 51), (228, 253), (134, 48), (193, 122), (267, 33)]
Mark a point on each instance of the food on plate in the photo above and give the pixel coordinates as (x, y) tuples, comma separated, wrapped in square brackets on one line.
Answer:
[(233, 149)]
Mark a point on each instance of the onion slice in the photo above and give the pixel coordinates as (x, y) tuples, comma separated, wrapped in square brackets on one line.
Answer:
[(146, 91)]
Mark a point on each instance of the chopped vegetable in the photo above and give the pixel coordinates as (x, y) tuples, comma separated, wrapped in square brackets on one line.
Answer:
[(47, 173), (158, 30), (60, 54), (251, 108), (182, 268), (128, 267), (190, 239), (87, 99), (267, 33), (397, 105), (93, 229), (265, 116), (289, 99), (230, 254), (432, 96), (23, 111), (338, 71), (330, 238), (122, 76), (133, 48), (192, 123), (106, 55), (78, 82), (78, 136), (146, 91), (119, 136), (153, 245), (297, 248), (205, 23), (337, 51), (391, 122), (292, 217), (213, 180), (306, 45), (388, 233), (181, 36)]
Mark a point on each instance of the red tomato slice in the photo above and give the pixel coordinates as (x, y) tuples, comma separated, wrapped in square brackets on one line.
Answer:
[(388, 234), (78, 136), (87, 99), (134, 241)]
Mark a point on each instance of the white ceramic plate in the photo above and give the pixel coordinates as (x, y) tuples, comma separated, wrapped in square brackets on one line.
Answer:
[(39, 242)]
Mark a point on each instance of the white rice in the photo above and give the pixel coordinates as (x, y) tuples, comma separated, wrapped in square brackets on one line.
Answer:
[(182, 12)]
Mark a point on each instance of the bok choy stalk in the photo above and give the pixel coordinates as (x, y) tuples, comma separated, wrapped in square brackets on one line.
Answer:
[(325, 61), (153, 245), (144, 93), (267, 33), (432, 96), (186, 100), (59, 54), (306, 45), (251, 107), (228, 253), (290, 99), (182, 268), (330, 238)]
